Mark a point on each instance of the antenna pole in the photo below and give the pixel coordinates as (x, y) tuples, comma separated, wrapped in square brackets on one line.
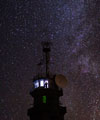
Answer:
[(46, 50)]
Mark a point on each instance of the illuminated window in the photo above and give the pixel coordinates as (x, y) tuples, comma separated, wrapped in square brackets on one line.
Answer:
[(36, 84), (46, 84), (44, 99), (41, 83)]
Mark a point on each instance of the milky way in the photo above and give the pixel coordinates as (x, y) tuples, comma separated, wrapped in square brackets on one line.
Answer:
[(73, 28)]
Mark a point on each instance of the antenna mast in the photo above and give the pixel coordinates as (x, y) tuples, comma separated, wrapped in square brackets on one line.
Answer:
[(46, 50)]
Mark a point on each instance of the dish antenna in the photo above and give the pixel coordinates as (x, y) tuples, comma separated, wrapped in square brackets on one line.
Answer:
[(61, 81)]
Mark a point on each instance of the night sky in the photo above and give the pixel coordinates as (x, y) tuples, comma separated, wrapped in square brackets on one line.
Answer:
[(73, 27)]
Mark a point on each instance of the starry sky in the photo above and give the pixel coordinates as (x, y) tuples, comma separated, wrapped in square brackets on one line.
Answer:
[(73, 27)]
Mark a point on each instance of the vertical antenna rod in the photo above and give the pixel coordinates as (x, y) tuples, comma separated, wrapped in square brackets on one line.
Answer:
[(46, 50)]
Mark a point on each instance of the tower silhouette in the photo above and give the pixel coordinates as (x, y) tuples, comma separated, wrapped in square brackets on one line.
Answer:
[(46, 93)]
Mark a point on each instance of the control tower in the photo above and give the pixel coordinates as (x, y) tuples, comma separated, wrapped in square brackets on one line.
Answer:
[(46, 93)]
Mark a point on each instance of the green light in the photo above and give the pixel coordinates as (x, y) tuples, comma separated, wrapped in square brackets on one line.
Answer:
[(44, 99)]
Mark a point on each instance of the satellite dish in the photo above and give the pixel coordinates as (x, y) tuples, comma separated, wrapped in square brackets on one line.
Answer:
[(61, 81)]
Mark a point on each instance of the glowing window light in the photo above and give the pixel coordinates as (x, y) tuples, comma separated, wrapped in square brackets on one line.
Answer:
[(46, 84), (41, 83), (36, 84), (46, 81)]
